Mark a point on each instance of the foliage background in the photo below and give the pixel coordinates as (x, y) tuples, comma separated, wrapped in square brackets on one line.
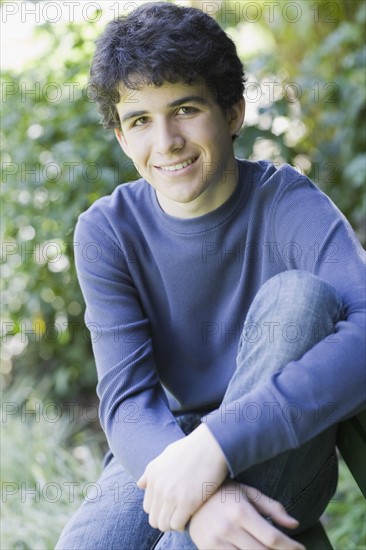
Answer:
[(305, 64)]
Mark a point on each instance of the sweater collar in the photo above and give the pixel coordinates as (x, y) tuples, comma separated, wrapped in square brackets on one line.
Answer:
[(211, 219)]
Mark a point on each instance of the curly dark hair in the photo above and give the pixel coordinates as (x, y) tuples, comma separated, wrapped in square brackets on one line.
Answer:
[(162, 42)]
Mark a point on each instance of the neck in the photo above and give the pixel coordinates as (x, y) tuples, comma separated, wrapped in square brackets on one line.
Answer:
[(212, 198)]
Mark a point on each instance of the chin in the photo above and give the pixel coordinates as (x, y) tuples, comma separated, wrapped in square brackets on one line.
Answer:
[(185, 199)]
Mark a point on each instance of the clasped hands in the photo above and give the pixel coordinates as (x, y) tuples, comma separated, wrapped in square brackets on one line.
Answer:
[(186, 482)]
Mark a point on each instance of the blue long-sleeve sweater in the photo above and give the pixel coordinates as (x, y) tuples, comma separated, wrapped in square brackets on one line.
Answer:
[(166, 300)]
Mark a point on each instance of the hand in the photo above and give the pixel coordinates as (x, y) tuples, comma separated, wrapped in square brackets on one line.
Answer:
[(175, 480), (233, 519)]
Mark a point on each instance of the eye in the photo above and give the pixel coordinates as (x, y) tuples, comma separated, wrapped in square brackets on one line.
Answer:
[(140, 121), (185, 110)]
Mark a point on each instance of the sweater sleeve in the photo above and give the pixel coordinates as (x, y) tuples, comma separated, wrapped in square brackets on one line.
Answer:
[(134, 410), (328, 383)]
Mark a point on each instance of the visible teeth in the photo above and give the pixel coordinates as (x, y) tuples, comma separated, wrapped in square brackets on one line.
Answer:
[(177, 166)]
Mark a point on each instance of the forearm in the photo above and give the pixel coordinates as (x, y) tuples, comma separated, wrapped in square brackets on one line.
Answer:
[(176, 481), (322, 388), (235, 517), (138, 428)]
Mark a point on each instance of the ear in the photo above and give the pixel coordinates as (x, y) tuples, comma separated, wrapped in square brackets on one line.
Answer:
[(236, 116), (121, 140)]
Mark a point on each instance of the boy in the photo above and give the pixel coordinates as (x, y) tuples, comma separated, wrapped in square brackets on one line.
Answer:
[(223, 366)]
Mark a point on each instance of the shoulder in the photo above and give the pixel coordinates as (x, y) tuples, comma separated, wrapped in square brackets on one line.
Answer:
[(265, 175), (283, 184), (111, 213), (288, 202), (123, 199)]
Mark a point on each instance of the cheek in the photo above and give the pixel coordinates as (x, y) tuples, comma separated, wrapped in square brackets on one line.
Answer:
[(211, 135), (136, 150)]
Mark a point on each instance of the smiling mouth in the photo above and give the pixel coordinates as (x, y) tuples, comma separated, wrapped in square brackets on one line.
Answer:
[(178, 166)]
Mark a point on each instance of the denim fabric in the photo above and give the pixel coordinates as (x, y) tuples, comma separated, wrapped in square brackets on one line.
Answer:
[(298, 309), (114, 520)]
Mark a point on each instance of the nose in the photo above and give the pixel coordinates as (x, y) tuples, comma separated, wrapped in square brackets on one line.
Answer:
[(168, 137)]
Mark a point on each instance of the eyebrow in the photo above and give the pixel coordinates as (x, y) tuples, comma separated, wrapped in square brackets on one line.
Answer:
[(187, 99)]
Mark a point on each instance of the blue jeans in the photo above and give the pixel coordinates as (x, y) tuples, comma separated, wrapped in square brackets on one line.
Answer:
[(303, 480)]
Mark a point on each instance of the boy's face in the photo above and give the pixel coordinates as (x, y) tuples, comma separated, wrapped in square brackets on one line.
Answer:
[(180, 141)]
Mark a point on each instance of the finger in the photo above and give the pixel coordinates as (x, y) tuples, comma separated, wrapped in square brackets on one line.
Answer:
[(226, 546), (276, 540), (237, 537), (245, 541), (164, 517), (154, 514), (148, 499), (159, 509), (142, 482), (179, 519), (270, 508), (267, 534)]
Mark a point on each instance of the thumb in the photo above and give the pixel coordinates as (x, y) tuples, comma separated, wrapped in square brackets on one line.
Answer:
[(142, 482)]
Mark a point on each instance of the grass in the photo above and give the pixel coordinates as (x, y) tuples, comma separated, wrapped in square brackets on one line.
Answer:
[(49, 464), (345, 517), (46, 468)]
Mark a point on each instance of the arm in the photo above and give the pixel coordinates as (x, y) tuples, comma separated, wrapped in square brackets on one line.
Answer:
[(226, 514), (328, 382), (134, 412), (175, 481), (337, 366), (234, 518)]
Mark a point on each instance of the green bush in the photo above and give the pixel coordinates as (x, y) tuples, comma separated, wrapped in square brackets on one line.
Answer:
[(57, 160), (311, 100), (346, 514), (50, 463)]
